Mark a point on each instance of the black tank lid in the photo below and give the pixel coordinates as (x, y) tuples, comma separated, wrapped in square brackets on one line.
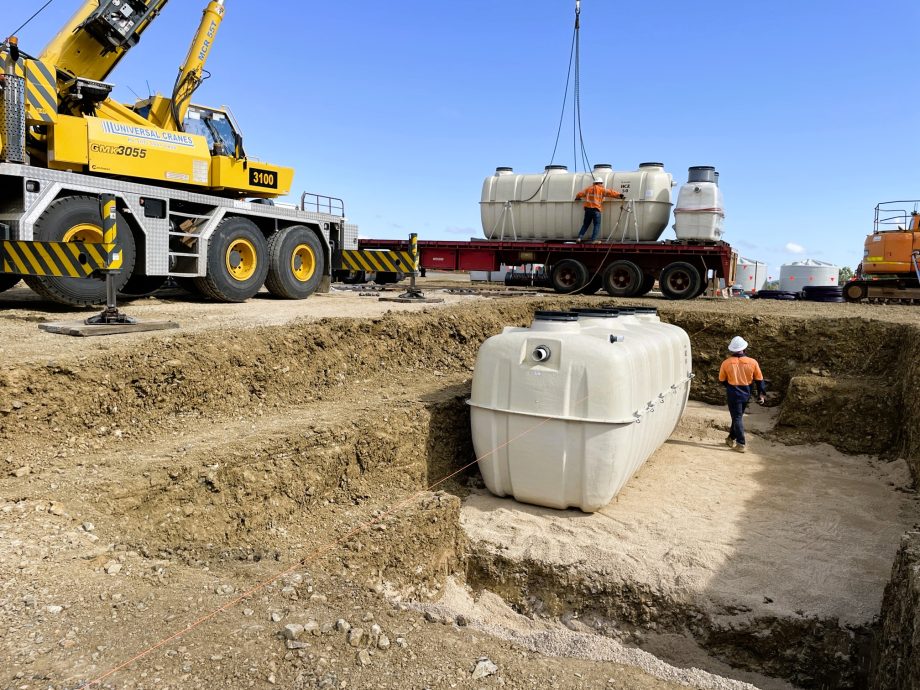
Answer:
[(603, 166), (555, 316), (556, 167), (504, 168), (597, 313), (651, 165)]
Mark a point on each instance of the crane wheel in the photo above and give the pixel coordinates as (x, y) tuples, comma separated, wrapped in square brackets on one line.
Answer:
[(79, 219), (237, 262), (7, 281), (142, 286), (296, 263), (569, 276), (622, 279), (680, 280)]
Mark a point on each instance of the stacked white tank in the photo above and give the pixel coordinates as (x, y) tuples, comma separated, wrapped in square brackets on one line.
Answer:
[(542, 206), (563, 413), (700, 210), (750, 276), (798, 275)]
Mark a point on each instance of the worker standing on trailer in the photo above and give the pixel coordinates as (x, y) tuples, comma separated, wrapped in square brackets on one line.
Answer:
[(594, 205), (738, 373)]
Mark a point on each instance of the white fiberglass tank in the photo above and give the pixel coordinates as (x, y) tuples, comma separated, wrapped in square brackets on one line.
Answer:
[(542, 206), (798, 275), (563, 413), (700, 211)]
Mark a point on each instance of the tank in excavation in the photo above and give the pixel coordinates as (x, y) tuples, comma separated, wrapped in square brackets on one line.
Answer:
[(543, 207), (700, 211), (563, 413)]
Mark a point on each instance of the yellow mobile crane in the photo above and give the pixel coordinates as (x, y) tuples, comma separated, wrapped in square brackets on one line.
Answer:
[(191, 204)]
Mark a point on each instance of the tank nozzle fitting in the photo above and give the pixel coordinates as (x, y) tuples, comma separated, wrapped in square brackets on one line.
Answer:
[(541, 353)]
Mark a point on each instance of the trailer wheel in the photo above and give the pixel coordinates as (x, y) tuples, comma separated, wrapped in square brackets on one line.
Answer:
[(237, 262), (7, 281), (569, 275), (296, 263), (680, 280), (622, 279), (594, 285), (648, 282), (79, 219), (855, 292)]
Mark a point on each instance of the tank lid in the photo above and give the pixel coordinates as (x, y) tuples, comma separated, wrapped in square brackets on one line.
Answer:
[(598, 313), (603, 166), (504, 168), (555, 316), (651, 165), (556, 167), (702, 173)]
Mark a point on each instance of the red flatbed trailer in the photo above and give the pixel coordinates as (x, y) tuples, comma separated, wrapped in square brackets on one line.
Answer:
[(627, 269)]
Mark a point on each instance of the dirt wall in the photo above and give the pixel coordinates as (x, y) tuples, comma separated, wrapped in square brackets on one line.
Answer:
[(868, 370), (896, 658), (908, 372), (810, 652)]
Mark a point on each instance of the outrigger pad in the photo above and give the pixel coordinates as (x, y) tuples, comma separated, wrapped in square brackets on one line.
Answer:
[(82, 330)]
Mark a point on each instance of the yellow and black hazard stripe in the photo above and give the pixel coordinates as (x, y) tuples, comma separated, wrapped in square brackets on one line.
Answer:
[(373, 261), (61, 259), (41, 92)]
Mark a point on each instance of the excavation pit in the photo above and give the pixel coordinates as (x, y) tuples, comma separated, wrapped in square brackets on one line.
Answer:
[(232, 454), (774, 561)]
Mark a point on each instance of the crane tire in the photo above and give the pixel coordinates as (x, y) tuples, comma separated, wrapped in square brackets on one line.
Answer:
[(622, 279), (296, 263), (8, 281), (237, 261), (680, 280), (142, 286), (79, 219)]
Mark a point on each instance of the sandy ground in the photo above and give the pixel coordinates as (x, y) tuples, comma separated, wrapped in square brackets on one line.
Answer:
[(21, 312), (779, 531), (165, 468)]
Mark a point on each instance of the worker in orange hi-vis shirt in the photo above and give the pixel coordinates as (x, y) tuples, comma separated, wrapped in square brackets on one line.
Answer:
[(738, 373), (594, 204)]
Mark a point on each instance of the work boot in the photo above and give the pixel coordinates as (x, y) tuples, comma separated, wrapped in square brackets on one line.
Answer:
[(579, 240), (741, 448), (729, 441)]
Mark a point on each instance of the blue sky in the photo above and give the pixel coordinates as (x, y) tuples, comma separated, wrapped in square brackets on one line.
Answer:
[(808, 109)]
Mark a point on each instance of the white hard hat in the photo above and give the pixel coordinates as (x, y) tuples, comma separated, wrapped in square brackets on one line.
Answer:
[(738, 344), (598, 180)]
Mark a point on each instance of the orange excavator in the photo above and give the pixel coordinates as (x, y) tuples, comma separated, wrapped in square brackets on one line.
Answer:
[(890, 269)]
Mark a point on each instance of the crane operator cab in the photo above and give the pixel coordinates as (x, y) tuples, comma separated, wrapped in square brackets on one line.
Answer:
[(218, 127)]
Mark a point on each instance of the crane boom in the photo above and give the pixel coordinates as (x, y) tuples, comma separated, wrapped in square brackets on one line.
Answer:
[(98, 35)]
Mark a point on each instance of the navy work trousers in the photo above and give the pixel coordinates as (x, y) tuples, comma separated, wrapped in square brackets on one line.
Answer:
[(736, 409), (592, 215)]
